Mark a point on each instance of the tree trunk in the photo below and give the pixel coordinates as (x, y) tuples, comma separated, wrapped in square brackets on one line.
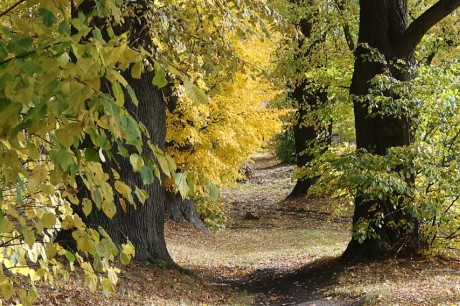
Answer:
[(310, 138), (143, 225), (307, 136), (383, 26), (183, 211), (176, 208)]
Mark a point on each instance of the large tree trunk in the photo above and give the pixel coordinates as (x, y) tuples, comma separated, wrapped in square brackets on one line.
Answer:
[(383, 25), (143, 225)]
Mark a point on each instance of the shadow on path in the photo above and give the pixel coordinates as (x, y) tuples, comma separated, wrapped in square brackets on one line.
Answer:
[(304, 286)]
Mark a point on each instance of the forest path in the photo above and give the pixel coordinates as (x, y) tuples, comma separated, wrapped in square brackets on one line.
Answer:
[(263, 205), (280, 251)]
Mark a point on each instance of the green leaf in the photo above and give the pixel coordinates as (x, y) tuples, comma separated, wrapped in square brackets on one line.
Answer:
[(132, 95), (213, 191), (92, 155), (70, 256), (159, 79), (21, 46), (118, 94), (181, 184), (122, 150), (46, 17), (3, 51), (64, 27), (147, 175), (136, 161), (64, 160), (195, 94)]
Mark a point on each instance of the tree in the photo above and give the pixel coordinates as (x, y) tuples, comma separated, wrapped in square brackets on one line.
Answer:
[(308, 97), (53, 104), (210, 141), (143, 222), (69, 119), (313, 88), (384, 31)]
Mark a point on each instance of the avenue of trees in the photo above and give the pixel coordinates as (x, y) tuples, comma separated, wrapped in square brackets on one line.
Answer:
[(114, 112)]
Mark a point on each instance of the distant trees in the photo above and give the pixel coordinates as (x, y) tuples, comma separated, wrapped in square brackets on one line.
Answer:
[(314, 67)]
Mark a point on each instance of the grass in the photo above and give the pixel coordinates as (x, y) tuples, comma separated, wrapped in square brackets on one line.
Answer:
[(235, 253), (421, 281)]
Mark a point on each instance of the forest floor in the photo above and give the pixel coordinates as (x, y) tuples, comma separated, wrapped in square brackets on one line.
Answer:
[(281, 253)]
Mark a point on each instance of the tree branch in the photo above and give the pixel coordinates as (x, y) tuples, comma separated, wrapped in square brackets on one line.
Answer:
[(11, 8), (345, 26), (420, 26)]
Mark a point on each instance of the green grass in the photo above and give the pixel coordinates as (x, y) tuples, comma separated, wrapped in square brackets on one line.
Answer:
[(250, 249)]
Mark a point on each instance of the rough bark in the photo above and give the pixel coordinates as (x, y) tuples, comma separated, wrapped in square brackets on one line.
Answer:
[(383, 25), (306, 136), (143, 225), (183, 211)]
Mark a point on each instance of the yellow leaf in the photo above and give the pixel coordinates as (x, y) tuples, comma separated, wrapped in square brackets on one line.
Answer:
[(87, 206), (122, 188), (84, 242), (141, 194), (136, 71), (109, 209), (123, 204), (48, 220), (7, 290), (112, 276), (6, 225)]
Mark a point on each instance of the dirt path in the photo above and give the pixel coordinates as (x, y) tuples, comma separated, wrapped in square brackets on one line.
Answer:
[(259, 203)]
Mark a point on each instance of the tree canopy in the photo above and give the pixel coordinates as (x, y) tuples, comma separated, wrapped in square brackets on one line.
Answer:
[(52, 62), (70, 117)]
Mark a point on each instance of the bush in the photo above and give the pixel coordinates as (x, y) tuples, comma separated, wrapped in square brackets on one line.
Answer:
[(285, 146), (213, 213)]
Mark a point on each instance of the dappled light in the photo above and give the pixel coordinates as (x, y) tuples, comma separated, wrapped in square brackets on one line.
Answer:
[(229, 152)]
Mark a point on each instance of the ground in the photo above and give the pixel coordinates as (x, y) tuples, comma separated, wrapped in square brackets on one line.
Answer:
[(272, 252)]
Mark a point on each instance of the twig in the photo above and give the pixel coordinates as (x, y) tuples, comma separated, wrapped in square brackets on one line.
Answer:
[(11, 8)]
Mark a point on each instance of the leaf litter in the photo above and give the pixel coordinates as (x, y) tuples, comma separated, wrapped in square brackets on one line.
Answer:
[(287, 256)]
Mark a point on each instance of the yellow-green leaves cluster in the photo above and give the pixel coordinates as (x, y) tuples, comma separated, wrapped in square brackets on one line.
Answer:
[(210, 142), (51, 101)]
